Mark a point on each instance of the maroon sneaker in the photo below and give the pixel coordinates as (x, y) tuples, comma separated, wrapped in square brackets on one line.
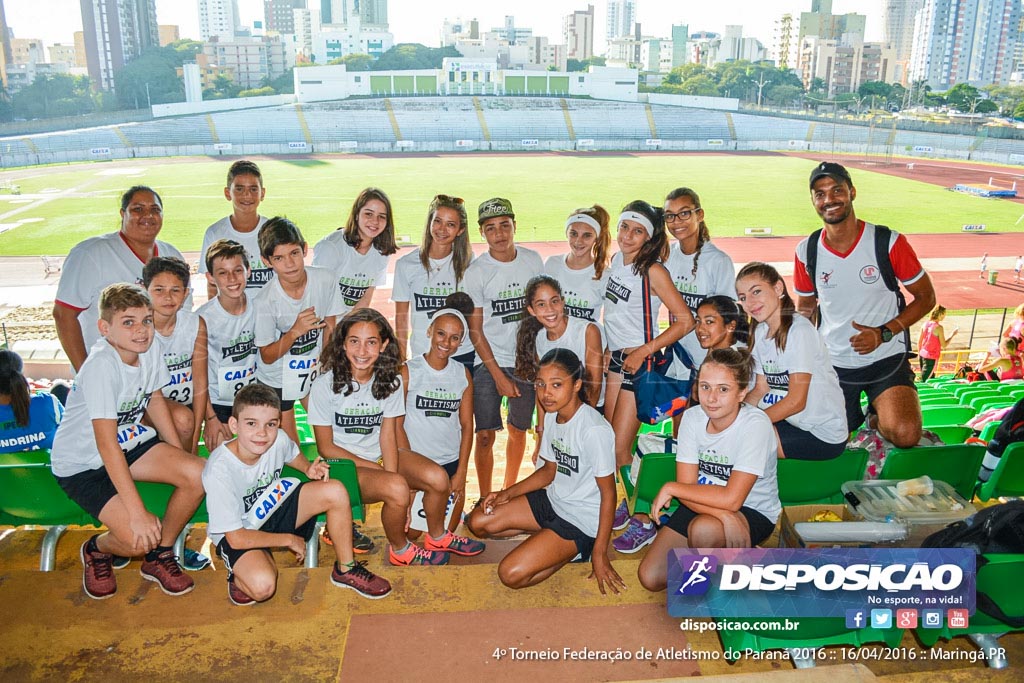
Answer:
[(361, 580), (237, 596), (166, 571), (98, 573)]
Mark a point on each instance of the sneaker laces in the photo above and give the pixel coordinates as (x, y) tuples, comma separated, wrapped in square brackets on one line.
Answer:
[(169, 562), (423, 553), (635, 530), (102, 565), (358, 570)]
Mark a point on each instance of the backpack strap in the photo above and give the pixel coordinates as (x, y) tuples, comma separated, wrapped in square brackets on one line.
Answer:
[(882, 236), (812, 258), (648, 314)]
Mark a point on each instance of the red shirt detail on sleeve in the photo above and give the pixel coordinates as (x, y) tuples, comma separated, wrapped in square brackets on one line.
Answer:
[(904, 261), (801, 279), (67, 305)]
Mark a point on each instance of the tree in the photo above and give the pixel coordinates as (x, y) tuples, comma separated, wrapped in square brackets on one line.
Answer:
[(963, 97), (53, 95), (1006, 97), (256, 92), (283, 84), (699, 85), (784, 95), (986, 107), (151, 78), (405, 56), (875, 91), (684, 72), (1018, 113), (355, 62), (223, 88)]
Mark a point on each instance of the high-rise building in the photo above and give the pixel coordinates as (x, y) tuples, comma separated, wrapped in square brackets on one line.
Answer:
[(515, 35), (27, 51), (280, 14), (821, 23), (785, 48), (371, 13), (898, 32), (116, 32), (218, 18), (169, 33), (621, 17), (5, 46), (80, 59), (578, 30), (62, 54), (454, 30), (965, 41), (845, 64)]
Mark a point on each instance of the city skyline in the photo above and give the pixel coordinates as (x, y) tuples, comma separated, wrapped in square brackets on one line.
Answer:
[(55, 21)]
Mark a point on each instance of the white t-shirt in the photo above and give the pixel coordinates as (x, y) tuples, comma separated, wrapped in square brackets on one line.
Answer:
[(850, 288), (106, 389), (582, 449), (230, 350), (425, 292), (432, 409), (95, 263), (177, 351), (232, 486), (575, 339), (357, 418), (747, 445), (824, 416), (259, 273), (355, 272), (624, 307), (716, 274), (498, 288), (582, 294), (276, 312)]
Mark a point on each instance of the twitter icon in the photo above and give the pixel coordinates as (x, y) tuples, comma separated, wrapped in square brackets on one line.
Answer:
[(881, 618)]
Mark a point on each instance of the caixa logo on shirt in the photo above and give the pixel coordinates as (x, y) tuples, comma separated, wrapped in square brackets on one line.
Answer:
[(869, 274)]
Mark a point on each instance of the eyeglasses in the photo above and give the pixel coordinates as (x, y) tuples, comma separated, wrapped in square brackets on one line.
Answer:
[(683, 215)]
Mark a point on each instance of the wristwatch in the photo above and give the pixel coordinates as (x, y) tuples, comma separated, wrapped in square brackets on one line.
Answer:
[(886, 333)]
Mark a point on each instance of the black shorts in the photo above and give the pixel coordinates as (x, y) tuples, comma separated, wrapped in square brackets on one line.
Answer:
[(285, 405), (547, 518), (451, 468), (894, 371), (798, 444), (760, 527), (222, 412), (93, 489), (615, 365), (282, 521)]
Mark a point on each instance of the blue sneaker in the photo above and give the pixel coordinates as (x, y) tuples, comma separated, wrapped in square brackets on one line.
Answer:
[(621, 518), (636, 536), (194, 561), (119, 562)]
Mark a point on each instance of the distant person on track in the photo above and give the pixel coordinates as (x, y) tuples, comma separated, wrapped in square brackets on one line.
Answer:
[(107, 259), (1016, 268), (863, 321), (984, 265)]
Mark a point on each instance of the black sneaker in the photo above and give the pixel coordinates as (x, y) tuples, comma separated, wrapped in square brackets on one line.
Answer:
[(119, 562), (361, 543)]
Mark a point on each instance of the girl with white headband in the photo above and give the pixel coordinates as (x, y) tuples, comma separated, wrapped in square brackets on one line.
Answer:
[(424, 277), (643, 246), (438, 421), (583, 272)]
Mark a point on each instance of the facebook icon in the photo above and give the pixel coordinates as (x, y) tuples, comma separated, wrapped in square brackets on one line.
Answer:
[(856, 618)]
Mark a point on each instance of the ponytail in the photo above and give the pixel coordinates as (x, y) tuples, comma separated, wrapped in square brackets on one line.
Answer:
[(704, 235), (14, 385), (787, 308), (526, 335)]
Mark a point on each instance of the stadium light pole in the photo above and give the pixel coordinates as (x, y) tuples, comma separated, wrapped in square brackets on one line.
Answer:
[(149, 102)]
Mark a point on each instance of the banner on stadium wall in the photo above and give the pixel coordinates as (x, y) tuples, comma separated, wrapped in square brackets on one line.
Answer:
[(405, 144), (464, 143), (974, 227), (717, 142), (296, 145), (923, 148), (653, 142), (222, 146), (819, 582), (348, 144), (585, 142), (530, 142), (100, 151)]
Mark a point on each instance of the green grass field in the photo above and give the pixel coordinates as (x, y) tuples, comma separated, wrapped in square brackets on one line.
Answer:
[(736, 191)]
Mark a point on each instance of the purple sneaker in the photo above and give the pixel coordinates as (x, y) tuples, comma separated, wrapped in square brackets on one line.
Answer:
[(621, 518), (635, 537)]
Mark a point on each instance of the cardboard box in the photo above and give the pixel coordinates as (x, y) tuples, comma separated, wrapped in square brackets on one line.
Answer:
[(789, 538)]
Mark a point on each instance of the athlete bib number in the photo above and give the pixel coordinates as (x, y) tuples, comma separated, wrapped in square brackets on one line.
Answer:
[(297, 377), (232, 379), (180, 387)]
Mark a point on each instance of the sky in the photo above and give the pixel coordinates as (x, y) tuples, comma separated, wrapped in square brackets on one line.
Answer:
[(416, 21)]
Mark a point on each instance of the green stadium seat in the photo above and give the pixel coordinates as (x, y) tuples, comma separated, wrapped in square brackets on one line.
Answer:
[(995, 405), (1008, 477), (989, 430), (811, 482), (812, 633), (1010, 387), (956, 465), (938, 400), (940, 416), (656, 469), (998, 578), (973, 388), (663, 427), (951, 434), (32, 497), (345, 472), (976, 401)]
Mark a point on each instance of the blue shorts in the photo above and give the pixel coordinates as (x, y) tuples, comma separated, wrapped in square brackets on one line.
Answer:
[(487, 402)]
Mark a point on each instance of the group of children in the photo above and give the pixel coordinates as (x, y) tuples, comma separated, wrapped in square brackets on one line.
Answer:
[(563, 338)]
